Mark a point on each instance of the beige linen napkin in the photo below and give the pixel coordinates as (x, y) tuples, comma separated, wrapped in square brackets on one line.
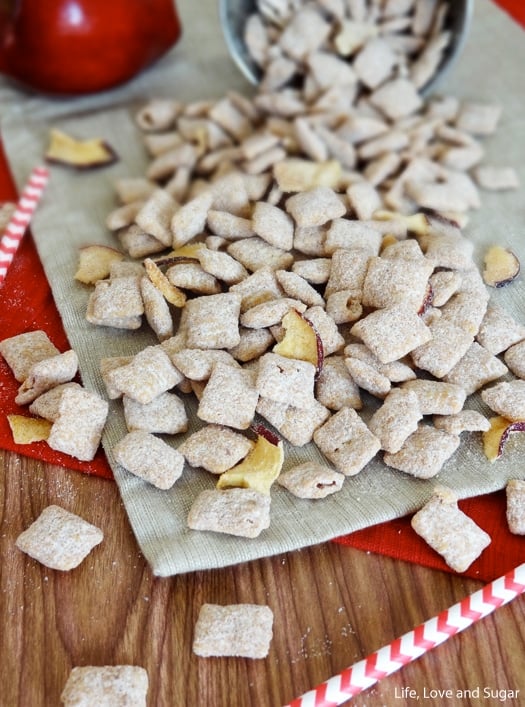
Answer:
[(73, 215)]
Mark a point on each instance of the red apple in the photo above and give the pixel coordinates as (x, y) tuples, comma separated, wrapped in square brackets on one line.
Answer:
[(82, 46)]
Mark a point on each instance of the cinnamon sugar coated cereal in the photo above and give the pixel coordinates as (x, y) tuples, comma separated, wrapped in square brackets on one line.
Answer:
[(106, 686), (59, 539), (243, 630)]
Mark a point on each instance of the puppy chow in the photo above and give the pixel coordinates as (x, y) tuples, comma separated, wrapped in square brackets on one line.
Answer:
[(258, 287), (269, 313), (298, 288), (331, 338), (243, 630), (515, 359), (236, 511), (392, 332), (449, 343), (107, 364), (255, 253), (348, 271), (192, 276), (46, 374), (149, 374), (395, 371), (78, 427), (229, 226), (478, 118), (297, 425), (313, 270), (368, 377), (286, 380), (449, 531), (315, 207), (476, 368), (47, 404), (252, 345), (215, 448), (346, 441), (197, 364), (311, 480), (165, 414), (116, 303), (106, 686), (515, 493), (273, 225), (230, 397), (190, 219), (396, 419), (59, 539), (150, 458), (213, 321), (495, 178), (499, 330), (335, 388), (444, 283), (156, 310), (507, 399), (424, 452), (463, 421), (389, 281), (154, 217), (352, 235), (21, 352), (222, 266), (310, 240), (437, 397), (364, 199)]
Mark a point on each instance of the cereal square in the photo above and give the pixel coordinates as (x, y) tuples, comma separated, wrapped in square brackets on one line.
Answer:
[(389, 281), (243, 630), (437, 397), (315, 207), (236, 511), (78, 427), (297, 425), (311, 480), (335, 387), (59, 539), (507, 399), (396, 419), (116, 303), (499, 330), (515, 492), (229, 398), (424, 452), (476, 368), (47, 404), (45, 374), (215, 448), (149, 457), (165, 414), (286, 380), (515, 359), (213, 321), (273, 225), (449, 531), (106, 686), (21, 352)]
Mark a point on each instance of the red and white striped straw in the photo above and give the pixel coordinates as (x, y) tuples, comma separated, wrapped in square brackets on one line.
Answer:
[(412, 645), (21, 217)]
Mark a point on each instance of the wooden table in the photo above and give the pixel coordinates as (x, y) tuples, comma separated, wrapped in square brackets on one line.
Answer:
[(332, 604)]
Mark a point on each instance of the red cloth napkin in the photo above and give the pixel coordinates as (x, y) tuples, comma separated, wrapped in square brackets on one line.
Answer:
[(26, 303)]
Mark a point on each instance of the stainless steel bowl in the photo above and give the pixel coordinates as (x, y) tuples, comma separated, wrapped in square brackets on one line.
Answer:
[(234, 13)]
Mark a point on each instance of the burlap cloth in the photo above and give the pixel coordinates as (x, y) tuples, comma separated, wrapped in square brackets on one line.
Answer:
[(73, 214)]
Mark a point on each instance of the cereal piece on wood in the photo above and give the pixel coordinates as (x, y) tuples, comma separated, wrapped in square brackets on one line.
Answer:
[(476, 368), (311, 480), (236, 511), (391, 281), (213, 321), (230, 397), (253, 344), (150, 458), (331, 338), (116, 303), (156, 214), (515, 359), (286, 380), (449, 531), (158, 114), (396, 419), (424, 453), (313, 270), (515, 512), (507, 399), (255, 253), (436, 397), (59, 539), (478, 118), (215, 448), (499, 330), (197, 364), (449, 343), (297, 288), (156, 309), (352, 235), (463, 421), (46, 374), (273, 225), (396, 98), (297, 425), (261, 286), (392, 332), (165, 414), (149, 374), (346, 441), (191, 276), (105, 686), (22, 351), (190, 219), (77, 430), (335, 387), (348, 271), (315, 207), (243, 630), (495, 178), (139, 244), (47, 404)]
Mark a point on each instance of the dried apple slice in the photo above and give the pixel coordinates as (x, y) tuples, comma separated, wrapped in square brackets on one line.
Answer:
[(94, 263), (259, 469), (494, 439), (501, 266), (301, 340), (81, 154), (26, 430), (171, 293)]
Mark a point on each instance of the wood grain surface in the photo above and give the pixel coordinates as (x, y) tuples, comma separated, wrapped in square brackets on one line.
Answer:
[(332, 604)]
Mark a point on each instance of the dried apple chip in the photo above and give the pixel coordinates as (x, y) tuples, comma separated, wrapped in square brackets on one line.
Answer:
[(501, 266), (301, 340), (94, 263), (27, 430), (495, 438), (80, 154)]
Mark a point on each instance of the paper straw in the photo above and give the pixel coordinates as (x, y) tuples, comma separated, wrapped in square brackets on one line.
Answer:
[(412, 645), (21, 217)]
